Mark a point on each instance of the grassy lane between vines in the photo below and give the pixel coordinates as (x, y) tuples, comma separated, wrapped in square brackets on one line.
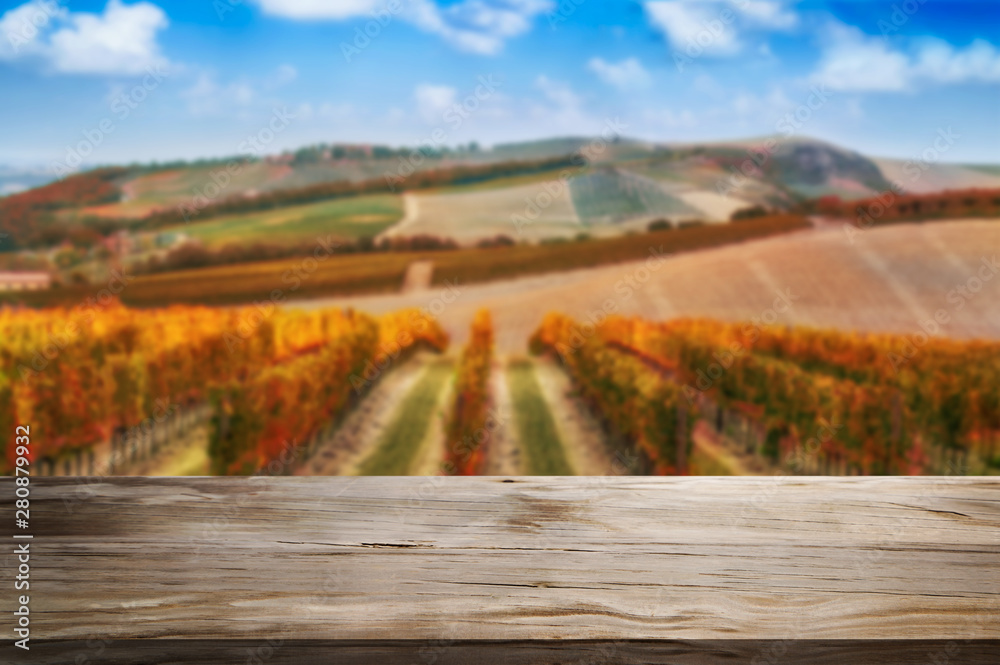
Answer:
[(715, 454), (431, 450), (402, 440), (543, 449), (588, 449), (187, 461)]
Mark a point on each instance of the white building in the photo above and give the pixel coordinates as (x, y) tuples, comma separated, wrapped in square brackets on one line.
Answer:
[(25, 281)]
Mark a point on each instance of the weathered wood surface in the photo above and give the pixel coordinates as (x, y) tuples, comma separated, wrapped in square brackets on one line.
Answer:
[(624, 563)]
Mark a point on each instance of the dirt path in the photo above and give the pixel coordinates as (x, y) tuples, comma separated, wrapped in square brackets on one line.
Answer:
[(411, 213), (504, 453), (582, 436), (358, 435), (418, 276), (716, 455)]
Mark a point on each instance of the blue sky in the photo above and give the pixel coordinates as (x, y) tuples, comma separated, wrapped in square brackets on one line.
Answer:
[(163, 80)]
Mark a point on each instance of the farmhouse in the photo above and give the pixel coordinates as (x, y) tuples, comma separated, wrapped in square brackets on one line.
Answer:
[(24, 281)]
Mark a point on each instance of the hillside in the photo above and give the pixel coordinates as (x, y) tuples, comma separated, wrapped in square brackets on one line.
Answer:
[(889, 280), (532, 190)]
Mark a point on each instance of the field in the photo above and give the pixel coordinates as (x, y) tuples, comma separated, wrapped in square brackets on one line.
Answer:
[(603, 203), (890, 279), (472, 212), (936, 177), (613, 196), (383, 272), (167, 188), (343, 218), (556, 418)]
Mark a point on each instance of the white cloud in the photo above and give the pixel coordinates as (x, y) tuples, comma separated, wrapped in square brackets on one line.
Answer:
[(853, 61), (119, 41), (628, 74), (939, 62), (433, 101), (475, 26), (319, 9), (685, 23), (207, 97), (766, 14), (242, 96), (563, 111), (22, 28), (714, 26)]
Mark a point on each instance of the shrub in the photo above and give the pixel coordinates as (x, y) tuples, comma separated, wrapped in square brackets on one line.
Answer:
[(749, 213)]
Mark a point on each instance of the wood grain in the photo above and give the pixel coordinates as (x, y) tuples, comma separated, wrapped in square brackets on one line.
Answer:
[(668, 564)]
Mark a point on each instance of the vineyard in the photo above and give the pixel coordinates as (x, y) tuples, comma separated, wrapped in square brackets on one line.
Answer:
[(273, 378), (256, 390), (610, 196), (807, 400), (637, 404)]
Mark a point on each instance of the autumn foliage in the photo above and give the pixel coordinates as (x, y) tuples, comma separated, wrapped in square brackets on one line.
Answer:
[(891, 206), (77, 375), (636, 399), (884, 400), (28, 217), (467, 429)]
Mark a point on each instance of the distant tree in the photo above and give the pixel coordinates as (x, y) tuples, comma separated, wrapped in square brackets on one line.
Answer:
[(749, 213), (189, 255), (691, 223), (659, 225), (496, 241)]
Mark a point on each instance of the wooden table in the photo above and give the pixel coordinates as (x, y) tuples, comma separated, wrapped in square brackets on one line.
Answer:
[(437, 570)]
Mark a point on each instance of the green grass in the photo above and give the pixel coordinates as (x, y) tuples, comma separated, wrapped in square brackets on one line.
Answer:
[(346, 218), (709, 465), (400, 442), (190, 461), (543, 450)]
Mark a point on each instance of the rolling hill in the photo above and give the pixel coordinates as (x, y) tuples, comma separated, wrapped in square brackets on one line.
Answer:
[(559, 187)]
